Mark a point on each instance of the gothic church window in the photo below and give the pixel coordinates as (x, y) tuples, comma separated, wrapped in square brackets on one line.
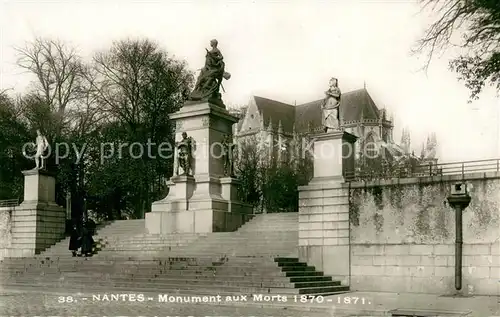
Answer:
[(371, 148)]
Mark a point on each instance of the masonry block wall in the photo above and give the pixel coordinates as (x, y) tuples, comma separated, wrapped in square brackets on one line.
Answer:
[(37, 223), (324, 229), (402, 236), (36, 228), (5, 230)]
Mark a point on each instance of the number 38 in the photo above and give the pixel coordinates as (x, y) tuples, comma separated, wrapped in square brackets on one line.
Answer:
[(65, 299)]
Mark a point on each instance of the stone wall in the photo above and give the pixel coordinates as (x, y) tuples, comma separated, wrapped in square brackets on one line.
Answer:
[(5, 230), (403, 233)]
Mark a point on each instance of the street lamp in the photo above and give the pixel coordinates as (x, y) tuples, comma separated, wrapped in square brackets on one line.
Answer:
[(459, 199)]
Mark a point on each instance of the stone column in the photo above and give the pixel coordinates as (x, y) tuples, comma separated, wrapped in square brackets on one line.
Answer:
[(203, 209), (324, 207), (38, 222)]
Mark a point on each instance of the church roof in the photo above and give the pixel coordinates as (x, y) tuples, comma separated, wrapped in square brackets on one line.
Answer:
[(275, 111), (354, 105)]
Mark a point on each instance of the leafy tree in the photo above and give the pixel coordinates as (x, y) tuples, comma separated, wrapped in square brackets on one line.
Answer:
[(13, 135), (478, 24), (268, 183), (138, 85), (249, 171), (280, 189), (124, 95)]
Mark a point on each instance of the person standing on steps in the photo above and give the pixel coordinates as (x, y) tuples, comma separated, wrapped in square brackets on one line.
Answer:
[(75, 240), (87, 240)]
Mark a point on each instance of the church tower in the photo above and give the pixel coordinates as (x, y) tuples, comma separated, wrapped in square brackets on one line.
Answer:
[(406, 141)]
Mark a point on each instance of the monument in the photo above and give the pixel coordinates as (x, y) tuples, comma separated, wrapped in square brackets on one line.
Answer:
[(41, 146), (228, 148), (331, 107), (38, 222), (210, 78), (185, 154), (324, 202), (203, 198)]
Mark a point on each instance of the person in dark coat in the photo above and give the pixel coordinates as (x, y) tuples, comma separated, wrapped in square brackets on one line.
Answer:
[(75, 240), (87, 240)]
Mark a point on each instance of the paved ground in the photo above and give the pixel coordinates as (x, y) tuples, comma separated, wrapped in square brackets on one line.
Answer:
[(32, 302)]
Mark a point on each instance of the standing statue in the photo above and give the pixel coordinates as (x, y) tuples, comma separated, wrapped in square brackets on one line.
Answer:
[(210, 78), (228, 155), (184, 154), (331, 107), (41, 147)]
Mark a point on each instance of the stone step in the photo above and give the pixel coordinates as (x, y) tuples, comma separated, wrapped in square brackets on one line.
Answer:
[(81, 262), (136, 259), (280, 226), (143, 268), (215, 289), (186, 249), (303, 273), (124, 227), (167, 273), (181, 253), (220, 281), (143, 247), (194, 275), (147, 241), (142, 265), (164, 236), (221, 270), (214, 239)]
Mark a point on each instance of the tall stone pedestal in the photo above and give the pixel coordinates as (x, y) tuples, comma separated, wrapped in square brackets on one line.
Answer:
[(324, 207), (38, 222), (205, 202)]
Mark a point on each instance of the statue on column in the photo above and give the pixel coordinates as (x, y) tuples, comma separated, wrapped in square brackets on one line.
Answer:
[(41, 146), (331, 107), (184, 154), (228, 155), (210, 78)]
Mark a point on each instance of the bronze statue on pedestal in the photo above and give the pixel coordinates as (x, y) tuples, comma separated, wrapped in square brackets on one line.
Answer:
[(41, 146), (184, 155), (210, 78), (228, 155)]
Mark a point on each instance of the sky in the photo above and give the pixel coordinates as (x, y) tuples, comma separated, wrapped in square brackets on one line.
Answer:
[(283, 50)]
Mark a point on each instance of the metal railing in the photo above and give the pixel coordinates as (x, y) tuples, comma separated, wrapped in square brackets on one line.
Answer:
[(427, 170), (9, 202)]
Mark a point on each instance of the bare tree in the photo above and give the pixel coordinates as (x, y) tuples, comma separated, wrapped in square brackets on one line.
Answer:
[(58, 70), (472, 25), (138, 82), (85, 114)]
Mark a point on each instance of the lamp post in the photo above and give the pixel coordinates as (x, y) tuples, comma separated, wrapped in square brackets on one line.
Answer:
[(459, 199)]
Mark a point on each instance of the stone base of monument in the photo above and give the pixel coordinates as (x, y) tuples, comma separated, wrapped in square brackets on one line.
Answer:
[(324, 207), (206, 202), (184, 212), (38, 222)]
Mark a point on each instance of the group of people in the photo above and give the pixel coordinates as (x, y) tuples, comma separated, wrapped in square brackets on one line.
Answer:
[(81, 238)]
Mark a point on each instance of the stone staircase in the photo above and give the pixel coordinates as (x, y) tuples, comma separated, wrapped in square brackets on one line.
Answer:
[(259, 258)]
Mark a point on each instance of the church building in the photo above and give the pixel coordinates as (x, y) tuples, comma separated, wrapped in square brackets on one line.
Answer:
[(281, 127)]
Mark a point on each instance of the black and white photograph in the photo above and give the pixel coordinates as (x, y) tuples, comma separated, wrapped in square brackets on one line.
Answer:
[(244, 158)]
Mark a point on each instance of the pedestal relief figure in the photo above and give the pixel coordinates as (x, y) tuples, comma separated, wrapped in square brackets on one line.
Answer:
[(184, 155), (228, 155), (210, 78), (41, 147), (331, 107)]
